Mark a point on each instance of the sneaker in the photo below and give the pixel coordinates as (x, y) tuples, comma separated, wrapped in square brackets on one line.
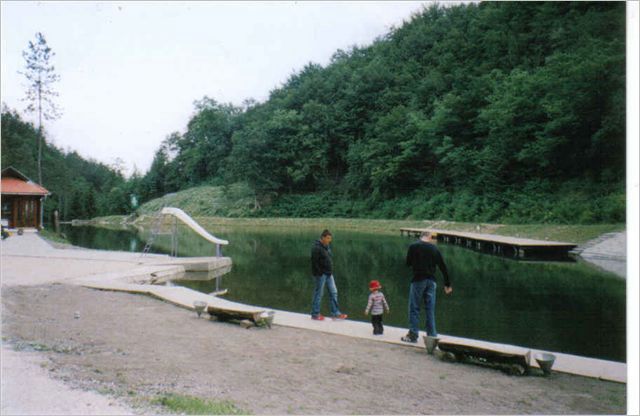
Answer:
[(318, 318), (410, 337), (340, 317)]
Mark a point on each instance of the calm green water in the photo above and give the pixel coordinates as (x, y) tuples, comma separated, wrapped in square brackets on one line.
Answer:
[(564, 307)]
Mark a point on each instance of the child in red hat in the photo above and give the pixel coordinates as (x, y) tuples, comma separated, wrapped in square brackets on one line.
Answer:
[(377, 304)]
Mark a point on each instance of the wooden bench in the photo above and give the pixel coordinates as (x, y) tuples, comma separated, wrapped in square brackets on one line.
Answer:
[(255, 317), (511, 362)]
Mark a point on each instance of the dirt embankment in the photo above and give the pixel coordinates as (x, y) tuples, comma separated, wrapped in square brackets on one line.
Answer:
[(138, 348)]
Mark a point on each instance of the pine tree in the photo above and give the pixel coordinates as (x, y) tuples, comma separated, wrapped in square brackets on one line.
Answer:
[(40, 74)]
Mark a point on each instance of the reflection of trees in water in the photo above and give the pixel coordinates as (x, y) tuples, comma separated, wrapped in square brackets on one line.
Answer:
[(106, 239)]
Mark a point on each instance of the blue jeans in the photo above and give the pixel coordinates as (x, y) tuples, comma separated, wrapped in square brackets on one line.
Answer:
[(317, 294), (423, 292)]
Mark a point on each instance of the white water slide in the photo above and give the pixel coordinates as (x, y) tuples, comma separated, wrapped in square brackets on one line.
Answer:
[(190, 222)]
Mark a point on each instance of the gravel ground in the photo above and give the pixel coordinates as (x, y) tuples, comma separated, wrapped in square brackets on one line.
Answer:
[(138, 348), (27, 389)]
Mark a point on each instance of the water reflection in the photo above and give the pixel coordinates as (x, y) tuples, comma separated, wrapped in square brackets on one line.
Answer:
[(211, 283), (108, 239), (564, 307)]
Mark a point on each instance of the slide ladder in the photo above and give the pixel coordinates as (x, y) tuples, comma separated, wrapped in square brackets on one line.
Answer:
[(155, 230)]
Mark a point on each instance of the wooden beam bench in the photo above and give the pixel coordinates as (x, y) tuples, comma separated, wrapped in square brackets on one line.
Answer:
[(257, 317), (512, 362)]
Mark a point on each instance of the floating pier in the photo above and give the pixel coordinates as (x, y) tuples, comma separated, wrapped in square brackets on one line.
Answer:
[(498, 244)]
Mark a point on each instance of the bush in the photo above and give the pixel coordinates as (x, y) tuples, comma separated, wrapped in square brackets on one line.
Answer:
[(535, 202)]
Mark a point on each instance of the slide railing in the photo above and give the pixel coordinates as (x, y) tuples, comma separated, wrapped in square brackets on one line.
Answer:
[(191, 223)]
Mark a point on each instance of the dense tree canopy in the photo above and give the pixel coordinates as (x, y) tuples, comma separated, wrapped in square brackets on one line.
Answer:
[(470, 102), (498, 111), (79, 188)]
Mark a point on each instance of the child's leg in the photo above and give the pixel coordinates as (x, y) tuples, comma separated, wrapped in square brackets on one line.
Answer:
[(377, 324)]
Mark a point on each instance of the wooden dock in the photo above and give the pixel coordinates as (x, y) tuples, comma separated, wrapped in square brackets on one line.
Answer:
[(498, 244)]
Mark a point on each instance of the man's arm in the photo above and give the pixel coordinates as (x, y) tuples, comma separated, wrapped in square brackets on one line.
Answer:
[(443, 269), (409, 256)]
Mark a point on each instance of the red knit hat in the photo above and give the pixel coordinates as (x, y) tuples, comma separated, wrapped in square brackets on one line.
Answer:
[(374, 284)]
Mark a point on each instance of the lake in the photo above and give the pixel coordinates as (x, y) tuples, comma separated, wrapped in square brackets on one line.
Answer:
[(568, 307)]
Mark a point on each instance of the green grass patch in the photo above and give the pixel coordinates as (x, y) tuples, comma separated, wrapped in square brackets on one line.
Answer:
[(235, 200), (52, 236), (570, 233), (573, 233), (191, 405), (215, 206), (33, 346), (109, 218)]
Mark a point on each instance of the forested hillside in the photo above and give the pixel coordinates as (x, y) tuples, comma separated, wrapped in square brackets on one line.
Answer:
[(79, 188), (498, 112)]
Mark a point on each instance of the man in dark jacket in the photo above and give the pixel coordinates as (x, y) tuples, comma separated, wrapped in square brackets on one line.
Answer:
[(423, 257), (322, 271)]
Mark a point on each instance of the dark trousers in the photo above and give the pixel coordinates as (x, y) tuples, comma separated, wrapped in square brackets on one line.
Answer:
[(376, 321)]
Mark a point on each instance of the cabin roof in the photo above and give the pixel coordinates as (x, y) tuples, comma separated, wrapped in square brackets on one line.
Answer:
[(15, 182)]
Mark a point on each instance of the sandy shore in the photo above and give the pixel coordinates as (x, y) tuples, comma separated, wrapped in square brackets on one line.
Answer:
[(138, 348)]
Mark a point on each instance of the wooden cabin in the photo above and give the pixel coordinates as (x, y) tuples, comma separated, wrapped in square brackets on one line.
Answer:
[(22, 200)]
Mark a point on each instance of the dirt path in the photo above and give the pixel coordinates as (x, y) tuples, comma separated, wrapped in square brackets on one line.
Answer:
[(23, 374), (139, 348)]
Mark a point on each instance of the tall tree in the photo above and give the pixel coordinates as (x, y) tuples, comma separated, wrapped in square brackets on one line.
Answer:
[(41, 76)]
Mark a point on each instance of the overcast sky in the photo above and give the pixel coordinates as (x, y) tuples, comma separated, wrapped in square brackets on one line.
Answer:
[(131, 71)]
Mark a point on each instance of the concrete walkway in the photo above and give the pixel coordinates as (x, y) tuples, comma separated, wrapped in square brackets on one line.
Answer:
[(128, 272), (47, 264), (30, 260)]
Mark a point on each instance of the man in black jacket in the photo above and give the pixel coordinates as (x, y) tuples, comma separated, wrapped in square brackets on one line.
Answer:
[(322, 271), (423, 257)]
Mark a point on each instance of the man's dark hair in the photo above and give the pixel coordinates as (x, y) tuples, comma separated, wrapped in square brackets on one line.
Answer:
[(325, 233)]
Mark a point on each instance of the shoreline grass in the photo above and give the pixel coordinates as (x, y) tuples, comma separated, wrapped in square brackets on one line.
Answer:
[(53, 237), (573, 233)]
